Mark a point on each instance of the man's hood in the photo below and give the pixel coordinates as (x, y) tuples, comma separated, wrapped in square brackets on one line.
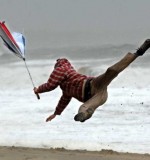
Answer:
[(63, 62)]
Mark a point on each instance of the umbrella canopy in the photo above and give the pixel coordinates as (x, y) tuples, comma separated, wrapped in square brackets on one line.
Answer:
[(15, 41)]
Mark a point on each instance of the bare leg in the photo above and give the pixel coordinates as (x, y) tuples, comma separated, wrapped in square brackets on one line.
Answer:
[(100, 83), (104, 80), (99, 87)]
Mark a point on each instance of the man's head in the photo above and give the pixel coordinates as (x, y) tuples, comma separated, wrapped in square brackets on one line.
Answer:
[(62, 62)]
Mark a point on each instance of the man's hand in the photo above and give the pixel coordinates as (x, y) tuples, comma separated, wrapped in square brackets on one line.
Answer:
[(35, 90), (50, 117)]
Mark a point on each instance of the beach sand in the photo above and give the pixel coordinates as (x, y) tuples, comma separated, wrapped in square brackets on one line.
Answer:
[(20, 153)]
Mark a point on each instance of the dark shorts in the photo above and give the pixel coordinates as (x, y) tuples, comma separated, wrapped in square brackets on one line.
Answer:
[(87, 90)]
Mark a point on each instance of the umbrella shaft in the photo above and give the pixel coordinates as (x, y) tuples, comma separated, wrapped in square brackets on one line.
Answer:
[(29, 73), (37, 95)]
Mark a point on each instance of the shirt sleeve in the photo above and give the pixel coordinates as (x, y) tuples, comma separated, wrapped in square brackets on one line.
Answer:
[(55, 79), (62, 104)]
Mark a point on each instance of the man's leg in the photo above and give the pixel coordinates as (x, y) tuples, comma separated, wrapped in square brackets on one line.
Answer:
[(112, 72), (100, 83), (99, 88), (87, 109)]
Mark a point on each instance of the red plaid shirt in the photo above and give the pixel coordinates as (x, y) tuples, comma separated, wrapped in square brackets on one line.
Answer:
[(71, 83)]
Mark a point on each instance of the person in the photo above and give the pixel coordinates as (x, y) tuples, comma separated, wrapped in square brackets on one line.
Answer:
[(92, 91)]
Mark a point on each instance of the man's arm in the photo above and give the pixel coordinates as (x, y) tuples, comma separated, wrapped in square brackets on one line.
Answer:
[(62, 104), (55, 79)]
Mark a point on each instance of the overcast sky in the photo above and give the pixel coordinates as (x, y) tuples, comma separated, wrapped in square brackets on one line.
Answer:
[(110, 16)]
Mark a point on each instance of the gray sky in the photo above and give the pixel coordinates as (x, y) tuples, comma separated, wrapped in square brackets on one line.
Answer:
[(117, 17)]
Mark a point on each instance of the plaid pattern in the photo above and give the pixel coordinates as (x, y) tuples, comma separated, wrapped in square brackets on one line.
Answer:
[(71, 83)]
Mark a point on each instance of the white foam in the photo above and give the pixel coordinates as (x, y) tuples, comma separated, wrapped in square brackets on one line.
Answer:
[(122, 124)]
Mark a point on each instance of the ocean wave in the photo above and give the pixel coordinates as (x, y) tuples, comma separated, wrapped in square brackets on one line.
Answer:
[(40, 71), (79, 52)]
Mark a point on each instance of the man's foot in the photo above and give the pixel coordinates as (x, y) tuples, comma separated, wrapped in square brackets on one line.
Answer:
[(84, 116), (143, 48)]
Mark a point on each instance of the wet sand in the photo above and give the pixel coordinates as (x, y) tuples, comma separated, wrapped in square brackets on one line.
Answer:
[(20, 153)]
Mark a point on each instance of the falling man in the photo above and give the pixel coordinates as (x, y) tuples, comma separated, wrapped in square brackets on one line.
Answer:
[(92, 91)]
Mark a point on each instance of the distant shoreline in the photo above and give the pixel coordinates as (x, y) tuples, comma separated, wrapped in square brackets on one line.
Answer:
[(17, 153)]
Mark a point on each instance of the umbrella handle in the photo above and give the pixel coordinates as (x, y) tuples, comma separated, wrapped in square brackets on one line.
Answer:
[(37, 95)]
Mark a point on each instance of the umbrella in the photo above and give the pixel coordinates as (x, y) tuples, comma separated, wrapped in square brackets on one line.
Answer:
[(15, 42)]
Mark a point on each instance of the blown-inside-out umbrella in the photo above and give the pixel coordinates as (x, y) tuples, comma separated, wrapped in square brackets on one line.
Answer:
[(15, 42)]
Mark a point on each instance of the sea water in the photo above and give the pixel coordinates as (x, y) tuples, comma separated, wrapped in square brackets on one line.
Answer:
[(121, 124)]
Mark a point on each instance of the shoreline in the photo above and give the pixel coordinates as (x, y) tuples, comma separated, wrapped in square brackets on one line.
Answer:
[(25, 153)]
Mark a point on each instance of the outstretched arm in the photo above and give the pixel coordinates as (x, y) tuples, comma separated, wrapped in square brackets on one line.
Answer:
[(50, 117), (62, 104), (55, 79)]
